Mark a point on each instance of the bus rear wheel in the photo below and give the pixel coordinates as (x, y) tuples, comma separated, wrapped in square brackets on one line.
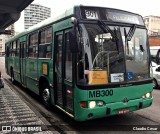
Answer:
[(46, 95), (12, 77)]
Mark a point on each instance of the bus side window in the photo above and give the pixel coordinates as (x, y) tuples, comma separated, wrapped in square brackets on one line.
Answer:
[(33, 45), (17, 48), (10, 48), (45, 46), (14, 44)]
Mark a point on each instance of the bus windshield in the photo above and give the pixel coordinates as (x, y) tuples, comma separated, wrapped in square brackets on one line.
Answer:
[(116, 59)]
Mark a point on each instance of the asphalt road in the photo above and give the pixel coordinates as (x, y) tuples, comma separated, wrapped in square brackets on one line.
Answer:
[(143, 119)]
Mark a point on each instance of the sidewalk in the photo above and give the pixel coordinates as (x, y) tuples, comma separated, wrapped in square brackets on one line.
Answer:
[(14, 112)]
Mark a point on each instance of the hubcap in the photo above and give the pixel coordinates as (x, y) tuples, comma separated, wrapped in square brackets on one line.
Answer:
[(46, 95), (12, 78)]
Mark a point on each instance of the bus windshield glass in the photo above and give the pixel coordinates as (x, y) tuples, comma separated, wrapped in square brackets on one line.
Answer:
[(108, 56)]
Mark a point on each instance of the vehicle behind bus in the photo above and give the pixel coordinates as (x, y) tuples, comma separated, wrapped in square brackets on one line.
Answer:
[(155, 67), (153, 52)]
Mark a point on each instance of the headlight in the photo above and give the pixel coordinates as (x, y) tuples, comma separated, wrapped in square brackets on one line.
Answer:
[(92, 104), (148, 95), (100, 103)]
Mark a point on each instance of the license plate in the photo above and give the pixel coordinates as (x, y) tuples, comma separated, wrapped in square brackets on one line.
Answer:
[(123, 111)]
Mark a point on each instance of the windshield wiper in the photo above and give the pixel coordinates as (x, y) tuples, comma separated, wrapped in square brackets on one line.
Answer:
[(107, 29), (129, 36), (130, 33), (126, 41)]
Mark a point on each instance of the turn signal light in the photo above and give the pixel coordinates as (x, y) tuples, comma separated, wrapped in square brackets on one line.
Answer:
[(83, 104)]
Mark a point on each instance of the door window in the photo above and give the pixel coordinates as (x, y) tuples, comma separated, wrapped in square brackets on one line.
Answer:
[(68, 60), (59, 53)]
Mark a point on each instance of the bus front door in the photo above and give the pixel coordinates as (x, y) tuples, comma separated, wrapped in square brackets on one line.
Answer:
[(63, 72), (22, 62)]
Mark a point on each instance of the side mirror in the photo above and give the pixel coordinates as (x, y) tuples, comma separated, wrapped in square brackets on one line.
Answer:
[(73, 42)]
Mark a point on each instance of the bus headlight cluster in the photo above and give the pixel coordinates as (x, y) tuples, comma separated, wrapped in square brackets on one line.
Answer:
[(147, 95), (92, 104)]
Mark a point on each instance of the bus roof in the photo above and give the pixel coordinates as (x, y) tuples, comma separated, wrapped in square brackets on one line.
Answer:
[(46, 22), (118, 16)]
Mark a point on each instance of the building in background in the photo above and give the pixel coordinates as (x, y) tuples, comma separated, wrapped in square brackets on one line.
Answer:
[(154, 40), (34, 14), (4, 38), (153, 25), (2, 42)]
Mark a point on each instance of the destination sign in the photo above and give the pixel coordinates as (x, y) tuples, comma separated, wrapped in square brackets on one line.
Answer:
[(113, 15), (120, 17)]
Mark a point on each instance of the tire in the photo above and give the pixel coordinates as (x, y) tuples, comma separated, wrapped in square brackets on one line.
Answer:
[(155, 84), (12, 77), (46, 95)]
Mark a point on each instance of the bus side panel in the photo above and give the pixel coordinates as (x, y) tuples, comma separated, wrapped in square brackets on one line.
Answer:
[(16, 69), (31, 75)]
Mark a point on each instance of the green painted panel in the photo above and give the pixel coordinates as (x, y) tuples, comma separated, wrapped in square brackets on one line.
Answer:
[(115, 101), (17, 64), (31, 74), (49, 62)]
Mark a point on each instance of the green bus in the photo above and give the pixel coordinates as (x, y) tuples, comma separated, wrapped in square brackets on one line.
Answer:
[(91, 62)]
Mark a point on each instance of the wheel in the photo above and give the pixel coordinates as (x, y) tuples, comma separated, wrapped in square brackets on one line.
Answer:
[(12, 77), (46, 95), (155, 85)]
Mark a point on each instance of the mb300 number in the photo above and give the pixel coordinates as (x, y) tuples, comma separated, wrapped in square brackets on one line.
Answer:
[(100, 93)]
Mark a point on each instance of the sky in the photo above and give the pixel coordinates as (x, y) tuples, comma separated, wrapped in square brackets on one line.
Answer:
[(142, 7)]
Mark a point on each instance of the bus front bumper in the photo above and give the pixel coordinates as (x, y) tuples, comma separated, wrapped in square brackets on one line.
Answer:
[(112, 109)]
